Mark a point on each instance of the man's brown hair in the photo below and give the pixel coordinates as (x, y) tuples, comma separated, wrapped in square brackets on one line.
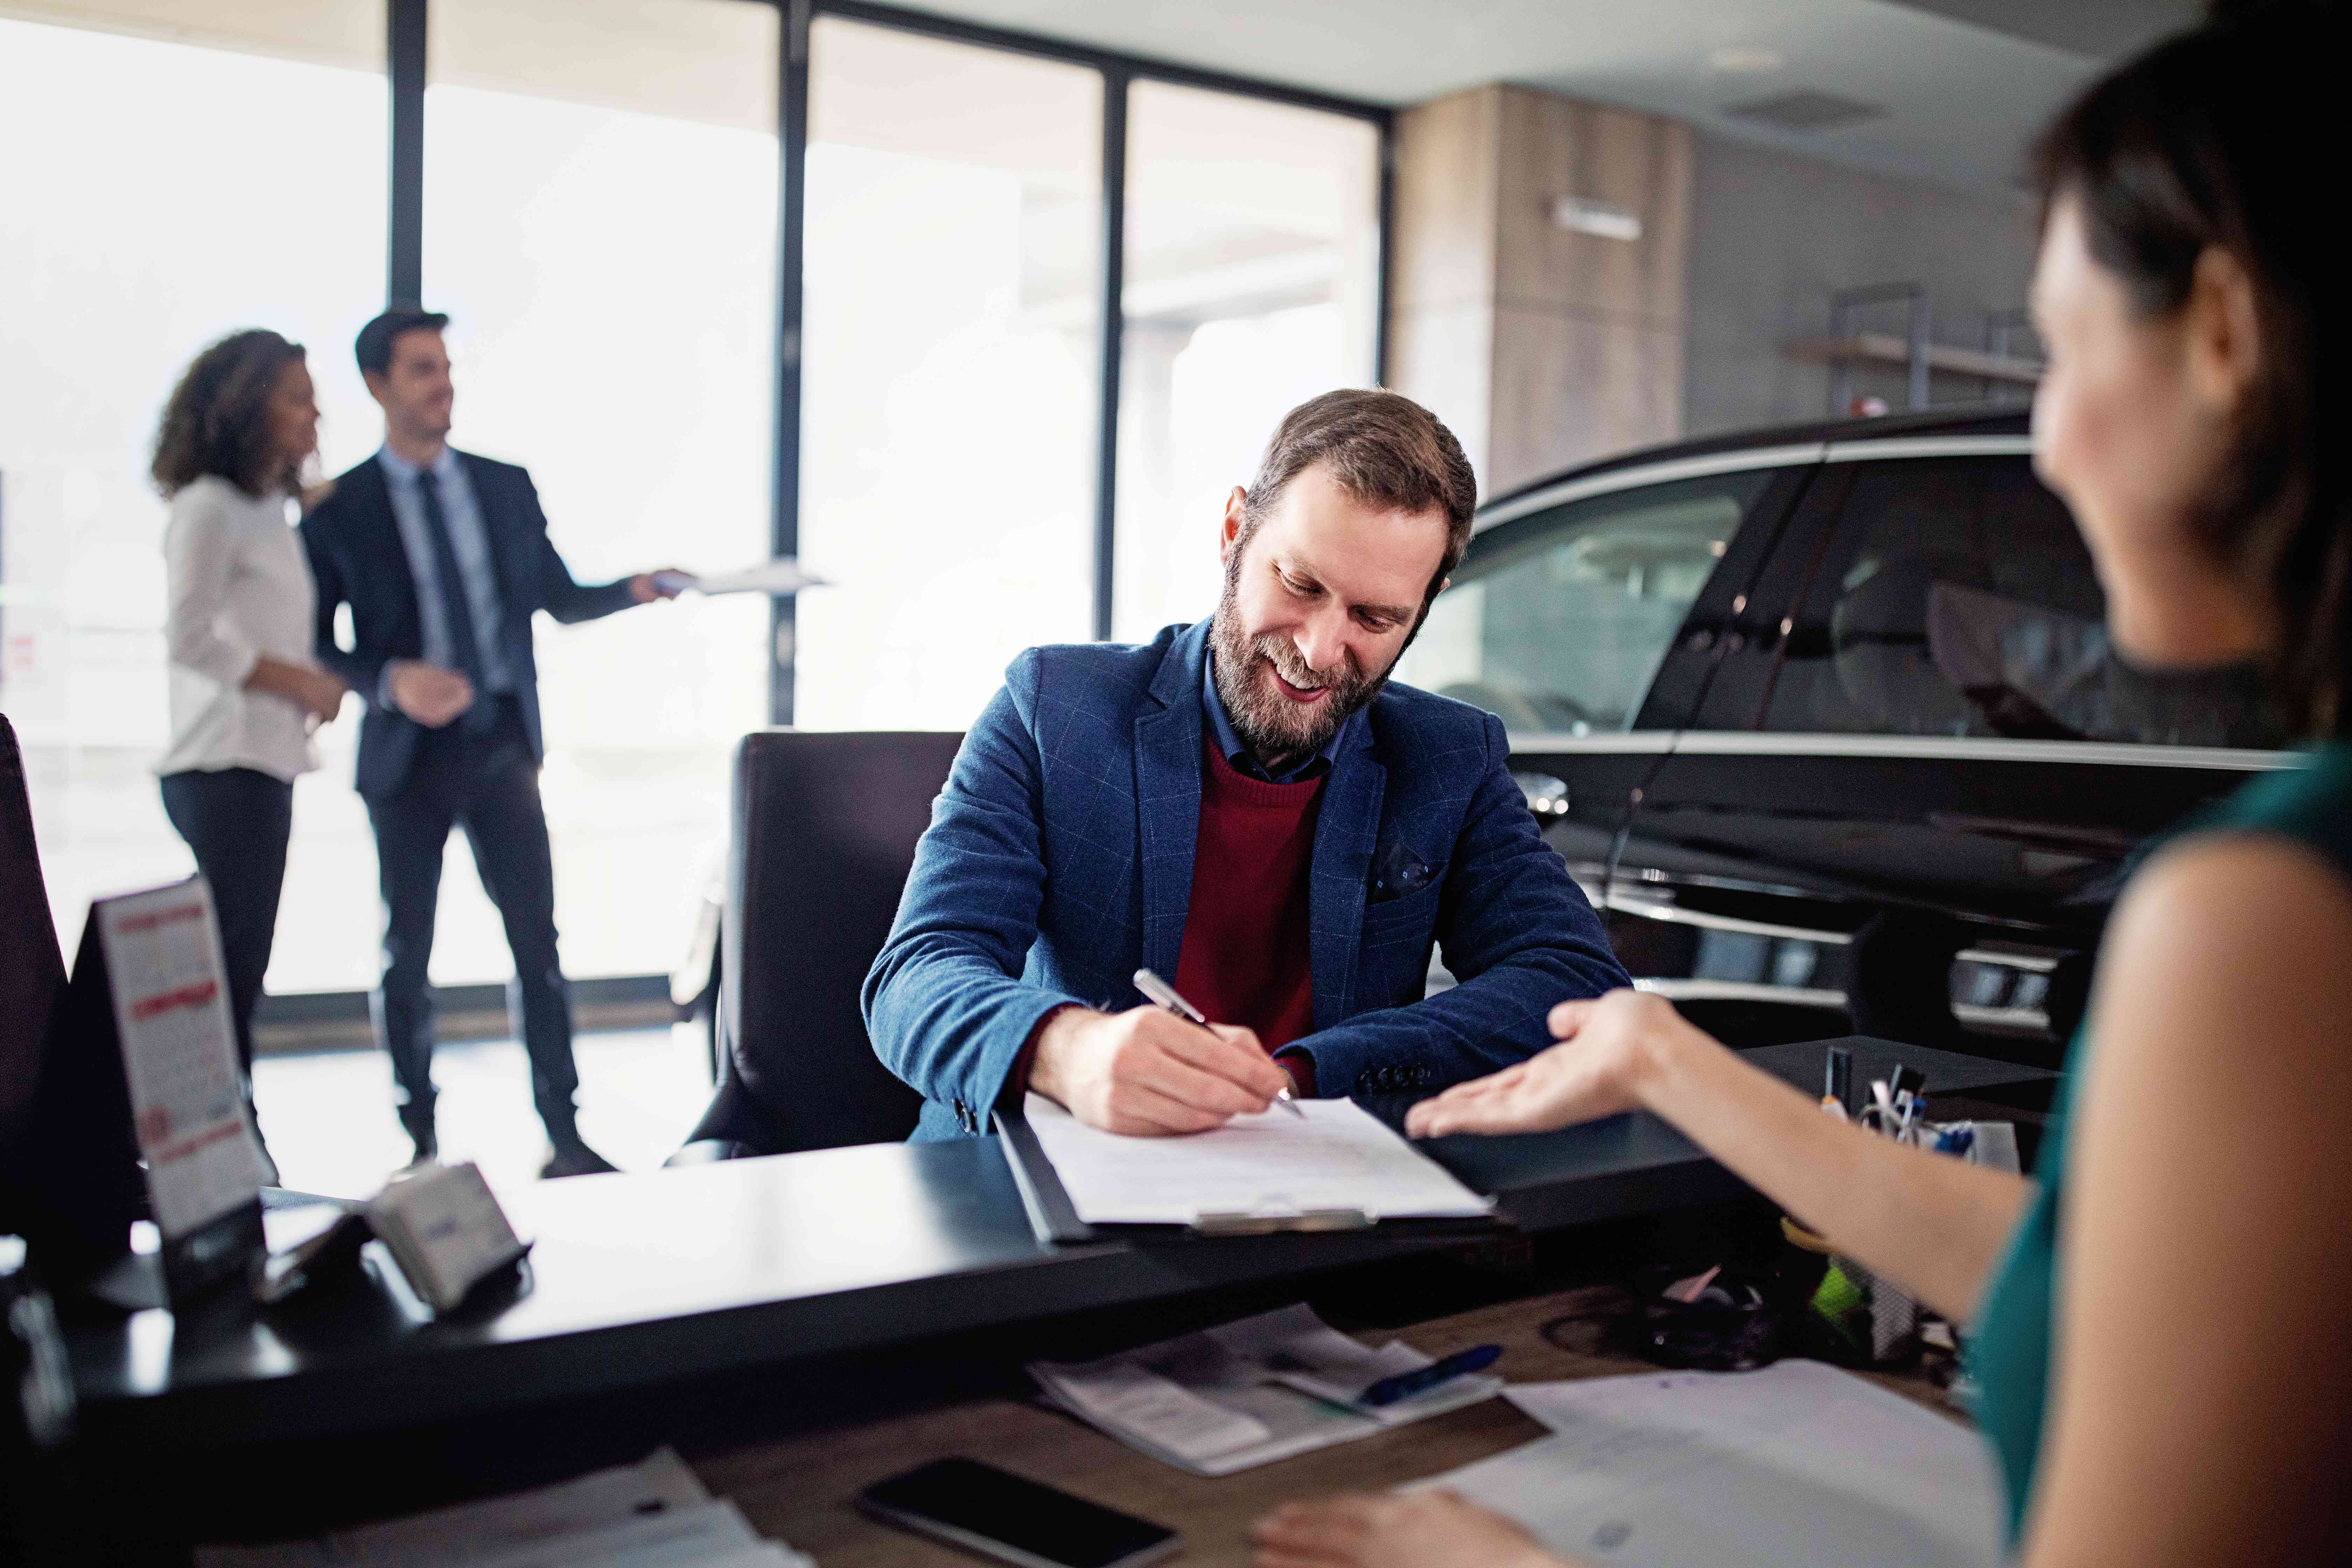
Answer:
[(1385, 450)]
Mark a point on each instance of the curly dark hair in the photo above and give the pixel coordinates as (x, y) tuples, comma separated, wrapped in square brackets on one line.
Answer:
[(2209, 141), (216, 421)]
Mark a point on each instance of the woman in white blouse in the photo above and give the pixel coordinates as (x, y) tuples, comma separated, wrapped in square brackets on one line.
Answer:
[(245, 693)]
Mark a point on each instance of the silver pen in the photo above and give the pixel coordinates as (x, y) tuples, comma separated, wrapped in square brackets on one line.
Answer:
[(1164, 994)]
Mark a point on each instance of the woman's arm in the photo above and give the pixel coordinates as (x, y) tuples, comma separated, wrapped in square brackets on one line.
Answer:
[(2201, 1401), (1932, 1223), (199, 555), (315, 689)]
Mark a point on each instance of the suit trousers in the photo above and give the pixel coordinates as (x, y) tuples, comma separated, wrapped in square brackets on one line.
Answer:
[(237, 821), (487, 783)]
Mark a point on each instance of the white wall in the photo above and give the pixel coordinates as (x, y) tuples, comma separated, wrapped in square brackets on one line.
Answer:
[(1772, 235)]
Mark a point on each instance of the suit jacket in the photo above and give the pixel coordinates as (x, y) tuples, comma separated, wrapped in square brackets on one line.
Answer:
[(357, 557), (1059, 859)]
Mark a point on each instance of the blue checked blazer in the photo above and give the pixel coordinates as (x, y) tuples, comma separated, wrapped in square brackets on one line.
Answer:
[(1059, 860)]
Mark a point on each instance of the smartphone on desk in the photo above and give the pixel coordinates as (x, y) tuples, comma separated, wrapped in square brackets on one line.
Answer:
[(990, 1511)]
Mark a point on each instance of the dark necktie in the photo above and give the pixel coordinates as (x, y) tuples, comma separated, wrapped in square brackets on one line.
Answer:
[(456, 607)]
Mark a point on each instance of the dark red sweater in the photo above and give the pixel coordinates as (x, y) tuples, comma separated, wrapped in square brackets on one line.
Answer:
[(1245, 959)]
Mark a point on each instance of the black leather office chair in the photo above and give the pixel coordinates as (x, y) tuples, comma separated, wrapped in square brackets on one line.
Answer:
[(825, 830)]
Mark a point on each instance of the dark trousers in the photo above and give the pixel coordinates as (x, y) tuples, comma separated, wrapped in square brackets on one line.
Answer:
[(238, 820), (488, 785)]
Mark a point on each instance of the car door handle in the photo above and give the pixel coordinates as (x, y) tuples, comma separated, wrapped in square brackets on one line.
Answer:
[(1546, 796)]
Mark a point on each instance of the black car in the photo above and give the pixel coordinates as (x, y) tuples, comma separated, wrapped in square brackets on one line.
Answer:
[(1826, 719)]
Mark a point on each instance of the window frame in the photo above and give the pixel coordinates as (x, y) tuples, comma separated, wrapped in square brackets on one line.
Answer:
[(407, 23)]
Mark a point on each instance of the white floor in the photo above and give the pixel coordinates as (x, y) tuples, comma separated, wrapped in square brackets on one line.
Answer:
[(330, 1123)]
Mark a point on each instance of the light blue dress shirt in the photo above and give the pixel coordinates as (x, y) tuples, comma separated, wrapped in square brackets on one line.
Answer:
[(1230, 744), (470, 539)]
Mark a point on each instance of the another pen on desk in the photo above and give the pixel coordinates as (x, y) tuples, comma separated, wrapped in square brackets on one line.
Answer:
[(1164, 994), (1837, 1086), (1405, 1384)]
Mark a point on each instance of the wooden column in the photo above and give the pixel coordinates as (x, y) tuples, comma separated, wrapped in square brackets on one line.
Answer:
[(1540, 345)]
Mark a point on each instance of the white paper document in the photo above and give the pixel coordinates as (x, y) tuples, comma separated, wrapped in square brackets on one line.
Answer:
[(652, 1514), (178, 1056), (1796, 1463), (782, 575), (1337, 1156), (1248, 1394)]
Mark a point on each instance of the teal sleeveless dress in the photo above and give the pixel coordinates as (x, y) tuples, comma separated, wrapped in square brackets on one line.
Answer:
[(2009, 1349)]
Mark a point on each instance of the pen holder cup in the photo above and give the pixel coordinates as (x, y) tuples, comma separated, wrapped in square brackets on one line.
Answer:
[(1860, 1318)]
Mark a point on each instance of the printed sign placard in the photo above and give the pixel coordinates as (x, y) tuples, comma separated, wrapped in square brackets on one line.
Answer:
[(162, 957)]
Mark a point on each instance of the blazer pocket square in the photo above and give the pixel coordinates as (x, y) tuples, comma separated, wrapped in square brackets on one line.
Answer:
[(1398, 872)]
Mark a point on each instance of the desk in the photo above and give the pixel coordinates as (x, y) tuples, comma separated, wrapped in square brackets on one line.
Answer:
[(643, 1280), (799, 1490)]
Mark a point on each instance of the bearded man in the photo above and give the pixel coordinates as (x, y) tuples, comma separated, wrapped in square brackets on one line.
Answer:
[(1248, 808)]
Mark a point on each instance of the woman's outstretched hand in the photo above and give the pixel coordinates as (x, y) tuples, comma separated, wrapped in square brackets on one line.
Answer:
[(1608, 1047), (1427, 1530)]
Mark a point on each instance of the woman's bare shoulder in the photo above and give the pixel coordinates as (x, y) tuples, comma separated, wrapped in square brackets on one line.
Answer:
[(2227, 938)]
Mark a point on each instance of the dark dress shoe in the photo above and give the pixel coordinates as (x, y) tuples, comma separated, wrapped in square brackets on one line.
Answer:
[(574, 1159), (429, 1147)]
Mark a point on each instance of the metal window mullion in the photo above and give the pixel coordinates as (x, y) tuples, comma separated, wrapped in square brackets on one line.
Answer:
[(1384, 221), (1114, 330), (791, 130), (405, 23)]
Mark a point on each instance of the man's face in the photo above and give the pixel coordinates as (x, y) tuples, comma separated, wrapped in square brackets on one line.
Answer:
[(415, 390), (1319, 602)]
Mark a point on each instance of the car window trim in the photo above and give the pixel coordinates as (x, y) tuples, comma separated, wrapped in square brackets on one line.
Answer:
[(1753, 458), (1977, 748), (1892, 448)]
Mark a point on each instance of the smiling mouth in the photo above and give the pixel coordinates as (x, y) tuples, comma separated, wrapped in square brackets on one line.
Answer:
[(1299, 694)]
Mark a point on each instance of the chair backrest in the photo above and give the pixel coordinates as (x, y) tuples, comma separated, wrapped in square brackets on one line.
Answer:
[(825, 826), (32, 970)]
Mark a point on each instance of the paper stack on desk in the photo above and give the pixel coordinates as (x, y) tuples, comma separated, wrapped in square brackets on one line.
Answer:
[(1797, 1463), (1336, 1155), (1248, 1393), (652, 1514)]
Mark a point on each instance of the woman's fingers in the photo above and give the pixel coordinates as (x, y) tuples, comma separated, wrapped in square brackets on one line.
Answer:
[(1567, 1018)]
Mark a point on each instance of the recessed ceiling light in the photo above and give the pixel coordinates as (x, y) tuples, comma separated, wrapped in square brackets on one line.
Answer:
[(1745, 58)]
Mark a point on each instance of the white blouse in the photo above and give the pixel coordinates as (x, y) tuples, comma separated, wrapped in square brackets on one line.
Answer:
[(239, 588)]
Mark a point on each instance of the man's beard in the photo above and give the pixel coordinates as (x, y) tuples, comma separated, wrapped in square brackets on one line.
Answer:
[(1278, 731)]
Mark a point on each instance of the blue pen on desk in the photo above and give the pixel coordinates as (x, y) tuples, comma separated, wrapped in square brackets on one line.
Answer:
[(1405, 1384)]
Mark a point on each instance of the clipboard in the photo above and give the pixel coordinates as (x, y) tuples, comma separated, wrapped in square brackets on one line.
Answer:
[(1054, 1218)]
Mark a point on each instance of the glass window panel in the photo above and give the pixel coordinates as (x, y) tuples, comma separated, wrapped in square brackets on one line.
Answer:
[(1558, 621), (600, 223), (196, 167), (1252, 276), (950, 382), (1958, 599)]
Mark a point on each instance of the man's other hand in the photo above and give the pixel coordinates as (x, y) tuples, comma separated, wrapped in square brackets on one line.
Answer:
[(1148, 1073), (429, 693), (668, 582)]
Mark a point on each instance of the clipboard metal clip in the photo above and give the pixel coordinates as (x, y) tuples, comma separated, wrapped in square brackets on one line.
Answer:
[(1266, 1222)]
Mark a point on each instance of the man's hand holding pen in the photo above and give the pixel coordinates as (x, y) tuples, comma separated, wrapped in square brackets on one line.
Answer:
[(1147, 1072)]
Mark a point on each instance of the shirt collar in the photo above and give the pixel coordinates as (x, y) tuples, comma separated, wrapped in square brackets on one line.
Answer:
[(1229, 741), (401, 469)]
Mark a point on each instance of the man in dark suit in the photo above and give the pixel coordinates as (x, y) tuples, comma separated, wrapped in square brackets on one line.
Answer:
[(444, 557), (1250, 808)]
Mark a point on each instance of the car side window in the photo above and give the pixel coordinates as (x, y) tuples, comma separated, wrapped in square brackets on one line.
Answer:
[(1557, 621), (1955, 598)]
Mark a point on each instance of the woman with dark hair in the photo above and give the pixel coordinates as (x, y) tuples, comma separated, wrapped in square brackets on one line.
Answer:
[(237, 435), (2187, 1396)]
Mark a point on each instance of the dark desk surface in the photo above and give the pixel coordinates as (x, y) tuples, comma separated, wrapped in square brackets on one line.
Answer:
[(803, 1489), (644, 1280)]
